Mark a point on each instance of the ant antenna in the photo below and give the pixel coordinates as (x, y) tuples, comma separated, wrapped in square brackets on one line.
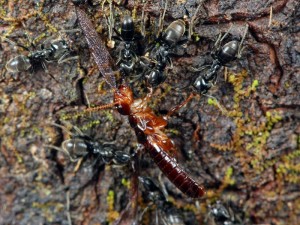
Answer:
[(221, 38), (162, 17), (240, 50), (61, 150)]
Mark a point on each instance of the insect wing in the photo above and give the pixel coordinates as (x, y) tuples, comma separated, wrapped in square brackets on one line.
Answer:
[(99, 51)]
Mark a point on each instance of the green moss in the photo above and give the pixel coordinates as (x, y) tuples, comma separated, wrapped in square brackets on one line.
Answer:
[(250, 136), (125, 182)]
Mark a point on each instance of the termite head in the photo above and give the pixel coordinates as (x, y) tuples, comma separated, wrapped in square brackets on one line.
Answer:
[(124, 98)]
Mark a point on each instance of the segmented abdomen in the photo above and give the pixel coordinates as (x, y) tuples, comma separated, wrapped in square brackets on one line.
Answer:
[(174, 172)]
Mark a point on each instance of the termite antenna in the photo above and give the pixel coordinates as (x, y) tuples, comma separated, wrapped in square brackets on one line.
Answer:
[(101, 107)]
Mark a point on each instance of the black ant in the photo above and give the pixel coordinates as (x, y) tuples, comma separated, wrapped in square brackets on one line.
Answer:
[(166, 41), (222, 55), (221, 215), (166, 212), (81, 146), (56, 52), (127, 58)]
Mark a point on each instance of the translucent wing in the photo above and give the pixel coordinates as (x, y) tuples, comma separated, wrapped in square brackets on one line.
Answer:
[(97, 47)]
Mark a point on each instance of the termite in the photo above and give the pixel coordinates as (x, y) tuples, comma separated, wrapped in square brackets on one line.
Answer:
[(147, 126)]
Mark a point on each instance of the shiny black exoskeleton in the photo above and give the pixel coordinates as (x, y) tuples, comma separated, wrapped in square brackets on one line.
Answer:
[(127, 58), (57, 51), (166, 41), (157, 75), (167, 213), (153, 192), (223, 55), (83, 146), (221, 215), (219, 212), (81, 2)]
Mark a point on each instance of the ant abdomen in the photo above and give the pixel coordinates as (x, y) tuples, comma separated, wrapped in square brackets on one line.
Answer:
[(228, 52), (127, 29), (174, 32), (20, 63), (76, 147)]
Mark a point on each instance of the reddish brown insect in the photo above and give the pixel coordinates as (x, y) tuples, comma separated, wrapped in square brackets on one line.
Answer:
[(148, 127)]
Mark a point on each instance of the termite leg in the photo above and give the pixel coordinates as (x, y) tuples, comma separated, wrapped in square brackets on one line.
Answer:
[(176, 108)]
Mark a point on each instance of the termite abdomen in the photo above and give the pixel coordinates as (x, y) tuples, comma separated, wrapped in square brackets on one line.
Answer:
[(175, 173)]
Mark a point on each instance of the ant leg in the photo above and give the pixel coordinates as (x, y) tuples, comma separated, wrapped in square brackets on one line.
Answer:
[(61, 150), (221, 38), (270, 18), (143, 27), (144, 211), (30, 40), (119, 58), (45, 68), (69, 31), (163, 187), (62, 59), (14, 43), (68, 207), (162, 17), (62, 128), (78, 131), (240, 49), (176, 108), (169, 60), (194, 69), (47, 72), (194, 19)]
